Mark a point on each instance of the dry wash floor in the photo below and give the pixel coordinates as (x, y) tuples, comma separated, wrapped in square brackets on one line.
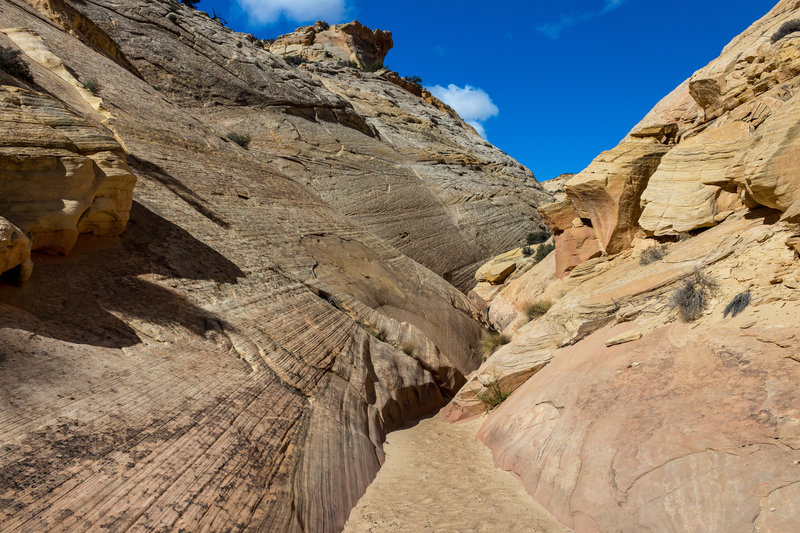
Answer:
[(438, 477)]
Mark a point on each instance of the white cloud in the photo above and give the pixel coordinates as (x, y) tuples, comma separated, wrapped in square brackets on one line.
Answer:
[(474, 105), (267, 11), (554, 29)]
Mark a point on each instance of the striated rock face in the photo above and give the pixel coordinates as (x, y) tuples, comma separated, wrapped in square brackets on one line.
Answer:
[(345, 42), (61, 175), (235, 357)]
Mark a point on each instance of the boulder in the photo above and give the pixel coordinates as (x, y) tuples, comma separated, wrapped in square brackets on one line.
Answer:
[(497, 273)]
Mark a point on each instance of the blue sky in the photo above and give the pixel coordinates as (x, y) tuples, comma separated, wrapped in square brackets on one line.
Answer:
[(551, 83)]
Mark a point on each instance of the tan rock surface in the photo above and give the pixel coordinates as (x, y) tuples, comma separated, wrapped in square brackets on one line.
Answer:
[(346, 42), (234, 359), (679, 411), (15, 250)]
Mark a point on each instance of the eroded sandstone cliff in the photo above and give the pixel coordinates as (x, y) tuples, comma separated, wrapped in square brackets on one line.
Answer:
[(233, 359), (629, 413)]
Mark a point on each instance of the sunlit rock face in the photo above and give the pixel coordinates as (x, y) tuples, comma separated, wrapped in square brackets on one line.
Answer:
[(623, 414), (217, 333), (724, 139)]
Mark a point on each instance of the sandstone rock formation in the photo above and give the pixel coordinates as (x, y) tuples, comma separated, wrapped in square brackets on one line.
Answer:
[(722, 140), (235, 357), (344, 42), (623, 416)]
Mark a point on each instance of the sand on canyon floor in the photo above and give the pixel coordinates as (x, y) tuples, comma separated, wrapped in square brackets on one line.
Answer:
[(439, 477)]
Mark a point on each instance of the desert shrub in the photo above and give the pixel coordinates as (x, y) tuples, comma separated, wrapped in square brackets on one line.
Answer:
[(527, 251), (374, 67), (491, 341), (538, 308), (348, 64), (295, 61), (738, 304), (92, 85), (267, 42), (407, 348), (322, 25), (791, 26), (543, 251), (190, 3), (692, 296), (494, 395), (538, 236), (11, 63), (414, 80), (242, 139), (652, 254), (374, 331)]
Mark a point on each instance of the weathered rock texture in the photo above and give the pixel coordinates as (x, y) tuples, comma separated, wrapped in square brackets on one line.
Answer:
[(234, 358), (344, 42), (724, 139), (624, 417)]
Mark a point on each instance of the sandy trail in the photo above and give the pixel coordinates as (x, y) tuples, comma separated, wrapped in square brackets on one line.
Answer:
[(438, 477)]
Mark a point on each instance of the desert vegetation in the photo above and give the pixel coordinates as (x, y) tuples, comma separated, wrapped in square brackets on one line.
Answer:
[(543, 251), (538, 236), (494, 395), (490, 342), (242, 139), (92, 85), (692, 297), (538, 308), (652, 254)]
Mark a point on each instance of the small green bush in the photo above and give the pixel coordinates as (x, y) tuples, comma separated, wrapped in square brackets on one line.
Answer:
[(267, 42), (494, 395), (538, 308), (414, 80), (691, 298), (787, 28), (348, 64), (738, 304), (242, 139), (92, 85), (407, 348), (322, 25), (190, 3), (374, 67), (527, 251), (538, 236), (652, 254), (11, 63), (543, 251), (491, 341)]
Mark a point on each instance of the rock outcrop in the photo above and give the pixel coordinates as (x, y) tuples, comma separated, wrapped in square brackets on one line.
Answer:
[(724, 139), (623, 416), (351, 42), (234, 358)]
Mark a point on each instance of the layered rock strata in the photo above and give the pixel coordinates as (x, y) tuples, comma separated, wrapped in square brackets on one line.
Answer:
[(724, 139), (235, 357), (624, 416)]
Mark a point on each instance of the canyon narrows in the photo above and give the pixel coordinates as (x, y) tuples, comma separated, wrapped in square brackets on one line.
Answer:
[(230, 267), (223, 274)]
